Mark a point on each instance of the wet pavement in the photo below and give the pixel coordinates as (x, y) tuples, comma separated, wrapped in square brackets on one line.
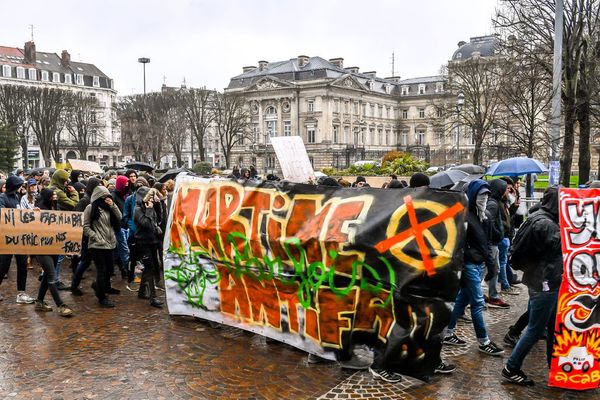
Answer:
[(135, 351)]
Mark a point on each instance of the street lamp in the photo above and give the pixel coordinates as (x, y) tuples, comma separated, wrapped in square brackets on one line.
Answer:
[(460, 101), (144, 61)]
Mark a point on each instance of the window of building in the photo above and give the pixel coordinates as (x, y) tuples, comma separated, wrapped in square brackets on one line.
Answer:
[(271, 128), (270, 162), (371, 137), (96, 81), (336, 106), (346, 106), (405, 114), (346, 136), (380, 111), (93, 117), (439, 87), (387, 137), (439, 138), (364, 109), (440, 112), (270, 110), (421, 89), (68, 78), (356, 108), (32, 74), (388, 88), (404, 139), (335, 133), (310, 134), (56, 77), (370, 84), (6, 71), (392, 113), (287, 128), (20, 72), (79, 79), (45, 76), (472, 139), (420, 137), (421, 113), (311, 105), (372, 110), (380, 137), (404, 90)]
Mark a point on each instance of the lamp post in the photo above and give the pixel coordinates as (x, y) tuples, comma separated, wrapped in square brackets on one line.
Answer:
[(460, 101), (144, 61)]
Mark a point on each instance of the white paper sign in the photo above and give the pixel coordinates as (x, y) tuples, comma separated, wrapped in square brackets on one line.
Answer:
[(293, 158), (85, 166)]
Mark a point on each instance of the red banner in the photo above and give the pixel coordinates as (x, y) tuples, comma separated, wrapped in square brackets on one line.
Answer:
[(576, 356)]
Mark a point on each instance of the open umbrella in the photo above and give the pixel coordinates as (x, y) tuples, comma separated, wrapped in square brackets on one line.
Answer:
[(172, 174), (463, 183), (470, 168), (140, 166), (446, 178), (516, 166)]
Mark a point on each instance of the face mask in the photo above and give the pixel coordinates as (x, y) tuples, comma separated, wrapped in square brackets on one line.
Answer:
[(511, 199), (481, 203)]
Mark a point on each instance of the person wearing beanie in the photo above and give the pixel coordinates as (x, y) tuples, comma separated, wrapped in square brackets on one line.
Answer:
[(359, 182), (419, 180), (67, 195), (119, 195), (76, 176), (28, 200), (10, 199), (100, 221)]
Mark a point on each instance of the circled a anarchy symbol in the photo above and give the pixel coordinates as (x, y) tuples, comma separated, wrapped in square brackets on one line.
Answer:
[(420, 231)]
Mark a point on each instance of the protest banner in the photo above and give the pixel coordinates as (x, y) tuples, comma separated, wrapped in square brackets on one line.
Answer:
[(293, 158), (576, 356), (40, 232), (320, 268), (85, 166)]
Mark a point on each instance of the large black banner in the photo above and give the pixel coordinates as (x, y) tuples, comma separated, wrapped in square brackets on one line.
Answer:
[(319, 268)]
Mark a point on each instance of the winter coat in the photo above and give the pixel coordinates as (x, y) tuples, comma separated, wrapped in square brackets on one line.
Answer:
[(477, 244), (128, 221), (84, 201), (66, 200), (547, 246), (101, 234), (10, 199), (494, 207), (148, 231)]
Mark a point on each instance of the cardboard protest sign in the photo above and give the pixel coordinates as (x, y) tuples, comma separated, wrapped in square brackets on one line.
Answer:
[(320, 268), (86, 166), (293, 158), (40, 232), (576, 357)]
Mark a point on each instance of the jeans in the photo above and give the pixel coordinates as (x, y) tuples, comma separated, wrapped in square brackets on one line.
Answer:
[(122, 250), (49, 280), (470, 293), (85, 260), (58, 266), (103, 259), (503, 247), (493, 283), (542, 312), (5, 261)]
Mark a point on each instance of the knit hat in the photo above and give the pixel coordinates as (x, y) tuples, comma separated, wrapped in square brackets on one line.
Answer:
[(13, 183), (121, 183), (418, 180), (79, 186)]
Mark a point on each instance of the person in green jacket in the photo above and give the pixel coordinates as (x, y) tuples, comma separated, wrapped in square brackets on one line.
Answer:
[(67, 195)]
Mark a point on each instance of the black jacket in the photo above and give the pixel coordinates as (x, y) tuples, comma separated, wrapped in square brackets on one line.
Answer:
[(548, 250), (118, 199), (477, 244), (494, 207), (148, 231), (11, 199)]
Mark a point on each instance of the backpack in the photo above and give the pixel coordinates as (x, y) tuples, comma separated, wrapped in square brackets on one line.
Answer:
[(521, 254)]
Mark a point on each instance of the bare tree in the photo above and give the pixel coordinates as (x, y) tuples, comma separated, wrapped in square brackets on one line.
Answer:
[(81, 121), (176, 124), (13, 100), (232, 120), (196, 104), (132, 118), (46, 108)]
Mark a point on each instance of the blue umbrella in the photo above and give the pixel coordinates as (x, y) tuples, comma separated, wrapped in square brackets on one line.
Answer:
[(516, 166)]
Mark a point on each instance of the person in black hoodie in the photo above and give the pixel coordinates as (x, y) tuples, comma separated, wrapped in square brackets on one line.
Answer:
[(147, 236), (477, 256), (543, 282), (10, 199), (48, 200)]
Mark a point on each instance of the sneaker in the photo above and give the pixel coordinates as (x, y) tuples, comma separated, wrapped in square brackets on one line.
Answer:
[(106, 303), (517, 377), (355, 363), (385, 375), (112, 290), (23, 298), (76, 292), (133, 286), (498, 303), (491, 349), (315, 359), (156, 303), (159, 287), (444, 368), (64, 311), (509, 339), (42, 306), (454, 340), (62, 286), (511, 291)]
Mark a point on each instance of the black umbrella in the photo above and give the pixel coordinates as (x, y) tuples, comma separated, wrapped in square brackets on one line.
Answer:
[(446, 178), (140, 166), (172, 174), (463, 183), (470, 168)]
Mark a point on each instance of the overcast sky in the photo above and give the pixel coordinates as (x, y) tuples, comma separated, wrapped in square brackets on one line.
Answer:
[(209, 41)]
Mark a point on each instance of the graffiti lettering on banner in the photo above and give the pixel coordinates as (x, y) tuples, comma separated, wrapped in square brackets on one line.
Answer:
[(319, 268), (576, 357), (40, 232)]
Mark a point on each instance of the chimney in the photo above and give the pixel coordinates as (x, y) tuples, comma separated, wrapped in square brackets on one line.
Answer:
[(393, 78), (371, 74), (461, 43), (262, 65), (65, 58), (338, 62), (352, 70), (30, 52), (248, 68), (302, 61)]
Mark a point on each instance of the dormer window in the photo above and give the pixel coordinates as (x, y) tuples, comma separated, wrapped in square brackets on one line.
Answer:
[(45, 76), (33, 74), (388, 88), (56, 77), (439, 87), (96, 82), (370, 84), (421, 89), (20, 72), (404, 91), (6, 71), (79, 79), (68, 79)]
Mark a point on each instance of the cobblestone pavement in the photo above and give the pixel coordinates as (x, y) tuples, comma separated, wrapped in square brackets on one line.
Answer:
[(138, 352)]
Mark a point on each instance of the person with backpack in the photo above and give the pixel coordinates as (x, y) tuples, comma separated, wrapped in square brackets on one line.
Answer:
[(140, 189), (477, 256), (543, 267)]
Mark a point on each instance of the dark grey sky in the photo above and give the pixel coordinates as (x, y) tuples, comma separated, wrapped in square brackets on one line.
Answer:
[(208, 42)]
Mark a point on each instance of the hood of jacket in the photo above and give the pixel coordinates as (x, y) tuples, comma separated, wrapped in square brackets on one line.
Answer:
[(99, 192), (140, 194), (45, 199), (75, 174), (13, 183), (550, 202), (473, 189), (59, 178), (498, 188), (92, 184), (121, 184)]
